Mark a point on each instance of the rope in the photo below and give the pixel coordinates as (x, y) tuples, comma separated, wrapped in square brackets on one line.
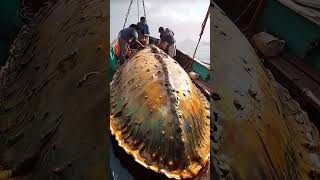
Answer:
[(126, 18), (244, 12), (255, 15), (188, 65), (144, 9), (138, 10)]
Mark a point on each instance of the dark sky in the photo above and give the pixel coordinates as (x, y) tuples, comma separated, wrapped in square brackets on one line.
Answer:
[(184, 17)]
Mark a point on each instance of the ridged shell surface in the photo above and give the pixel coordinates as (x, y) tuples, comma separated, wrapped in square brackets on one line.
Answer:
[(159, 116)]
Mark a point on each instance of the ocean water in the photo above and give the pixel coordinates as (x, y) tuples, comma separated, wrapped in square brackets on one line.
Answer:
[(203, 52)]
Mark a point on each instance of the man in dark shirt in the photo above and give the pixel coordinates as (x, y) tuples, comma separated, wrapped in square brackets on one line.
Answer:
[(161, 31), (127, 36), (167, 30), (143, 31), (167, 41)]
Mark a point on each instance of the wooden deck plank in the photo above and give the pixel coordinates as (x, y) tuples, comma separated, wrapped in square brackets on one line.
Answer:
[(297, 82), (313, 73)]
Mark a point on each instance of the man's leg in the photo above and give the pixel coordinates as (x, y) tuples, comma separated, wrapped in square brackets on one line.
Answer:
[(165, 46), (172, 50)]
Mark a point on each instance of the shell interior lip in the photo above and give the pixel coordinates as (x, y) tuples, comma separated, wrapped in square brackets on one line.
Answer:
[(139, 159)]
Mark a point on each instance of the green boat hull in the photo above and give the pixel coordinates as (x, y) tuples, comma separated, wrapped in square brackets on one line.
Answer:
[(299, 32)]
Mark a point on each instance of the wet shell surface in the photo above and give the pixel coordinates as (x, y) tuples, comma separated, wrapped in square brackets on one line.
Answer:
[(159, 116)]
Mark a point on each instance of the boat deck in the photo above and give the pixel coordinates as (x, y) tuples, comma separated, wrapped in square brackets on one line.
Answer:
[(302, 81)]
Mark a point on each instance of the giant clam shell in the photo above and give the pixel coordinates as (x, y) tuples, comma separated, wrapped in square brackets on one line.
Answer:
[(158, 115)]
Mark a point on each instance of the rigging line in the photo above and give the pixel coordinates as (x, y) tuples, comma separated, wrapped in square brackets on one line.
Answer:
[(138, 10), (144, 9), (126, 18), (203, 25), (245, 10), (255, 15)]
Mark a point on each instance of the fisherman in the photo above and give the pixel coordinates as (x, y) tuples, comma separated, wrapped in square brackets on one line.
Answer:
[(127, 36), (161, 31), (143, 31), (169, 31), (167, 41)]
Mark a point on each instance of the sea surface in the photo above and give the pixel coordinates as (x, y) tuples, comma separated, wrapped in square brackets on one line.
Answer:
[(203, 52)]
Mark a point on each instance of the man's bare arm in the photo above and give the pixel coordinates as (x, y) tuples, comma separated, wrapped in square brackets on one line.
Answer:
[(140, 43)]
